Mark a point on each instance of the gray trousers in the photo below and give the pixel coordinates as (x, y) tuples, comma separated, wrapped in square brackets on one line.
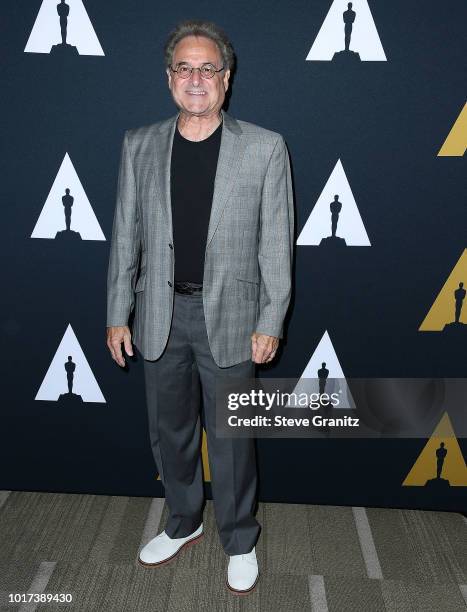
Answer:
[(175, 434)]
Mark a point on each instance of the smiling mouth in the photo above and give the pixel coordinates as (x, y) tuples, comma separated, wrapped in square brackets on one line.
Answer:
[(196, 93)]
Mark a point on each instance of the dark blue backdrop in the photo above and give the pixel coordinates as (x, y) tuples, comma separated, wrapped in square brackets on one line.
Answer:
[(385, 120)]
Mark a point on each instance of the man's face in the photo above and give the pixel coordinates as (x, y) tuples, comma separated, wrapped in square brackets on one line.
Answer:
[(195, 95)]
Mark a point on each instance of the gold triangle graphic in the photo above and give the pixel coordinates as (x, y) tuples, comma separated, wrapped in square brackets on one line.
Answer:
[(453, 468), (456, 141), (442, 311), (205, 458)]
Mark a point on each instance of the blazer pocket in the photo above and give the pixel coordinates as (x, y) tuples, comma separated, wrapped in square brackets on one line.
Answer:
[(248, 289), (140, 283)]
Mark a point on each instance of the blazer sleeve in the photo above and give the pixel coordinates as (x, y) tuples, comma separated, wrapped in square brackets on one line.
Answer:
[(125, 243), (275, 243)]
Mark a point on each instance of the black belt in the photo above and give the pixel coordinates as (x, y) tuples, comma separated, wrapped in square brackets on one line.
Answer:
[(187, 288)]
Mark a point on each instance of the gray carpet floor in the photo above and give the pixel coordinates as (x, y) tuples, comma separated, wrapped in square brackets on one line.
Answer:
[(320, 558)]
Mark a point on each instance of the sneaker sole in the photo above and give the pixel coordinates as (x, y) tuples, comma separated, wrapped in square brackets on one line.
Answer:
[(185, 545), (246, 591)]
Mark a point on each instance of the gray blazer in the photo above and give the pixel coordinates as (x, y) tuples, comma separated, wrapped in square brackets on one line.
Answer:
[(249, 247)]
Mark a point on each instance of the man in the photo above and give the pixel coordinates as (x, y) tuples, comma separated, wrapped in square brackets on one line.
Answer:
[(217, 192)]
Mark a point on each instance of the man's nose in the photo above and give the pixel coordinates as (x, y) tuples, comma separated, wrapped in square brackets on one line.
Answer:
[(195, 77)]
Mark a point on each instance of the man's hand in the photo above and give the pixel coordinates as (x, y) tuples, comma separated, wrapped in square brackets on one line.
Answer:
[(263, 347), (115, 337)]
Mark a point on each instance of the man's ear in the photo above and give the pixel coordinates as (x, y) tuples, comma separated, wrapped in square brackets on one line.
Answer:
[(226, 79), (169, 76)]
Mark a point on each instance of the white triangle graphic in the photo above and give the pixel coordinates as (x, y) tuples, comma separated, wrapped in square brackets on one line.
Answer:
[(349, 225), (55, 383), (46, 29), (52, 217), (364, 36), (324, 354)]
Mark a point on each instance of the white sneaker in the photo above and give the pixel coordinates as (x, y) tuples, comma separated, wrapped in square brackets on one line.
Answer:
[(242, 572), (162, 548)]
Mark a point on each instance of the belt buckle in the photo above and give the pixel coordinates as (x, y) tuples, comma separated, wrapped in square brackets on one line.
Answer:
[(184, 288)]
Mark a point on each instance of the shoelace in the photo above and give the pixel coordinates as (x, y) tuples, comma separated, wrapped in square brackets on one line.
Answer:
[(245, 557)]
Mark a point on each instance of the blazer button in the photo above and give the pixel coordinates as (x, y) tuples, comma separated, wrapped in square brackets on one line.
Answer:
[(170, 284), (171, 245)]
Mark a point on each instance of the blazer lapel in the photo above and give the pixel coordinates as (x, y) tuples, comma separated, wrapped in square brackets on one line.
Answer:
[(162, 153), (230, 155)]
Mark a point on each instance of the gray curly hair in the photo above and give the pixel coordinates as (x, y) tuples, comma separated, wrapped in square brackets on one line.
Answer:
[(198, 27)]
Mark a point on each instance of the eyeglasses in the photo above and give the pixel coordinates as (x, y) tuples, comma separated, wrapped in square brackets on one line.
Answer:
[(207, 71)]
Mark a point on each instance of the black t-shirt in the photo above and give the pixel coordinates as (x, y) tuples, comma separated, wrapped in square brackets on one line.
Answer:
[(192, 175)]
